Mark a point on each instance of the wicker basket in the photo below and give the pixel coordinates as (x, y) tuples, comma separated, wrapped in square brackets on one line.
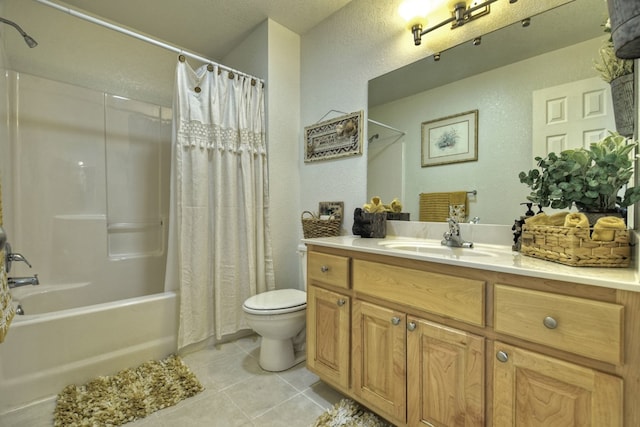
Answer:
[(573, 246), (316, 227)]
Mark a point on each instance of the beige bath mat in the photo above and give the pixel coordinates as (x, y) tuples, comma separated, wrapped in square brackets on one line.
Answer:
[(127, 396), (348, 413)]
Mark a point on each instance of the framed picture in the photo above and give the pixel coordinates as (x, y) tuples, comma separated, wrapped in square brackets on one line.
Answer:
[(331, 208), (334, 138), (452, 139)]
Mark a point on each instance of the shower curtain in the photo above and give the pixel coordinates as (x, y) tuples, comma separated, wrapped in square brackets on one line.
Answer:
[(219, 246)]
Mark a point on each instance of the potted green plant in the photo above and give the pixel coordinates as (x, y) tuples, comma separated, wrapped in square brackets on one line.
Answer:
[(589, 179)]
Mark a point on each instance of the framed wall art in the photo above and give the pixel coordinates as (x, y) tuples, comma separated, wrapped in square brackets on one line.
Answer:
[(333, 138), (451, 139)]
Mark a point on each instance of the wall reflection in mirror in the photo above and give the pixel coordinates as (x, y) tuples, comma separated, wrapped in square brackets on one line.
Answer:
[(498, 78)]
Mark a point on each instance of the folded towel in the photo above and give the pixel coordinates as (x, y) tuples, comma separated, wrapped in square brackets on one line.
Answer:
[(558, 219), (539, 219), (396, 206), (374, 206), (576, 219), (604, 229), (436, 207)]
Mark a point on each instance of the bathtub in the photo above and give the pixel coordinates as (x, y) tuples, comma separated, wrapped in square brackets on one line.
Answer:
[(56, 345)]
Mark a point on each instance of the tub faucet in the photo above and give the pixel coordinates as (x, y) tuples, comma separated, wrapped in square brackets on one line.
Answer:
[(13, 256), (452, 237), (16, 282)]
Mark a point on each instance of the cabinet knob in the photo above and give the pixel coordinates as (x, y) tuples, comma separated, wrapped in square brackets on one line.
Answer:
[(324, 268), (341, 302), (411, 326), (550, 322), (395, 320), (502, 356)]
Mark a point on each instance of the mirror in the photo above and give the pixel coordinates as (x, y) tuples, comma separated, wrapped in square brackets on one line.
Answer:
[(496, 78)]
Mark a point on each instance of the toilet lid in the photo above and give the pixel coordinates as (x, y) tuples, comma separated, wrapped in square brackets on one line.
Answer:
[(276, 302)]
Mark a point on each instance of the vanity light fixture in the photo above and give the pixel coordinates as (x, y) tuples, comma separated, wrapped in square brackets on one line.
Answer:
[(460, 15)]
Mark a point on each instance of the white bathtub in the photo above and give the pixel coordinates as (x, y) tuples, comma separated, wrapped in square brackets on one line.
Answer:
[(45, 351)]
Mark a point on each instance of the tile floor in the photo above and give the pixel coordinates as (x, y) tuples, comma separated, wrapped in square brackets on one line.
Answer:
[(237, 393)]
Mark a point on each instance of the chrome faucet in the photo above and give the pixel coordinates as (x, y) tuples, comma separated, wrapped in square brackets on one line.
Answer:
[(12, 256), (16, 282), (452, 237)]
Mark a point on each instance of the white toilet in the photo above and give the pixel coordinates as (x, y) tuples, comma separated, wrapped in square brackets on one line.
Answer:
[(278, 317)]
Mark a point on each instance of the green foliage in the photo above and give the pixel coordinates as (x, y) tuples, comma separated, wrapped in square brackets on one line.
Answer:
[(590, 178)]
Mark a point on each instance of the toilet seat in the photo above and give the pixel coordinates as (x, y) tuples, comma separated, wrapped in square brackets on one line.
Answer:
[(279, 301)]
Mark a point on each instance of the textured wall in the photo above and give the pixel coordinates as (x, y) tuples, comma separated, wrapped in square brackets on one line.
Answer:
[(339, 56)]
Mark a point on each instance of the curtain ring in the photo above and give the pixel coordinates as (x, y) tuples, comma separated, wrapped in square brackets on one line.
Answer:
[(181, 58), (197, 89), (231, 75), (210, 67), (253, 82)]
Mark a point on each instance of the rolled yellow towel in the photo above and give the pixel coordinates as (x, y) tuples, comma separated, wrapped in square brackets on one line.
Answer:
[(604, 229), (539, 219), (557, 219), (396, 206), (576, 219)]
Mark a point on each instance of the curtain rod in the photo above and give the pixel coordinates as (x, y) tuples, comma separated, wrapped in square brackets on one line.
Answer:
[(139, 36)]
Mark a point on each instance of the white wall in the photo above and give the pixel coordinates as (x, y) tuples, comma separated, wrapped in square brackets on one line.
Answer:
[(363, 40)]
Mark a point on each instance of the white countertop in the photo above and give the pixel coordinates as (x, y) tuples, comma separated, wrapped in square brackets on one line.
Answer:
[(499, 258)]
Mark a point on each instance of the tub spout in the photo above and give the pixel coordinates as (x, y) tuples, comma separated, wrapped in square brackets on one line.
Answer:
[(16, 282)]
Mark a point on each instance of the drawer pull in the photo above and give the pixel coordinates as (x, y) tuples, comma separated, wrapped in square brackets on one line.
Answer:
[(550, 322), (502, 356), (411, 326), (395, 320), (324, 268), (341, 302)]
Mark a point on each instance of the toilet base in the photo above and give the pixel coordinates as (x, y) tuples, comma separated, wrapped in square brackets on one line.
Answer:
[(278, 355)]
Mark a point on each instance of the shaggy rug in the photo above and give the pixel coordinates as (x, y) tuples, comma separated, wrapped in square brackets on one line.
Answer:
[(348, 413), (127, 396)]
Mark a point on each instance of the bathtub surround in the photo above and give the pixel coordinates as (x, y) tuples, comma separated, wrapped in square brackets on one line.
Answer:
[(219, 250), (127, 396)]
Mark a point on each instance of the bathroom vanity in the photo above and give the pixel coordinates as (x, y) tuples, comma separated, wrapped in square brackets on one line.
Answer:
[(426, 335)]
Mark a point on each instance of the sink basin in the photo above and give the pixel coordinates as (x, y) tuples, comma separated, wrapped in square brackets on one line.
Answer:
[(435, 248)]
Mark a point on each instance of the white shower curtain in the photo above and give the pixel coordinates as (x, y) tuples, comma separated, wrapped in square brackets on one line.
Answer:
[(219, 246)]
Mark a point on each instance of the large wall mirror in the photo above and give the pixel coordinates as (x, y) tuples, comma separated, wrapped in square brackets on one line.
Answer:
[(496, 78)]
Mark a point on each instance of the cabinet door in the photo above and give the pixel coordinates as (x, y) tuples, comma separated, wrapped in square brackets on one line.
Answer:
[(378, 355), (531, 389), (445, 375), (328, 335)]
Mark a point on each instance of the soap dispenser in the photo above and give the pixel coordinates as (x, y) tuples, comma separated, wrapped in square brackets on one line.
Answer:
[(518, 223)]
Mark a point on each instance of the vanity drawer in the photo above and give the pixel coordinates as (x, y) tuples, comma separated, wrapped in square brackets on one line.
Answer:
[(329, 269), (578, 325), (451, 296)]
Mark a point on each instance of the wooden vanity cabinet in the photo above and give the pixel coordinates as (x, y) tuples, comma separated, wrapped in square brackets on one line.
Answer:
[(445, 375), (534, 389), (425, 344), (328, 318)]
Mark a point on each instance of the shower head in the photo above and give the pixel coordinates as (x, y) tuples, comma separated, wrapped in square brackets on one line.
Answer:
[(27, 38)]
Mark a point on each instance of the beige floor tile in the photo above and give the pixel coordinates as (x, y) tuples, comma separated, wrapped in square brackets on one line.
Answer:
[(299, 411), (238, 394), (299, 377), (257, 395), (323, 395)]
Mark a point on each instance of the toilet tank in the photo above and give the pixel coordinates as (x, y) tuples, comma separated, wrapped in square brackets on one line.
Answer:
[(302, 252)]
